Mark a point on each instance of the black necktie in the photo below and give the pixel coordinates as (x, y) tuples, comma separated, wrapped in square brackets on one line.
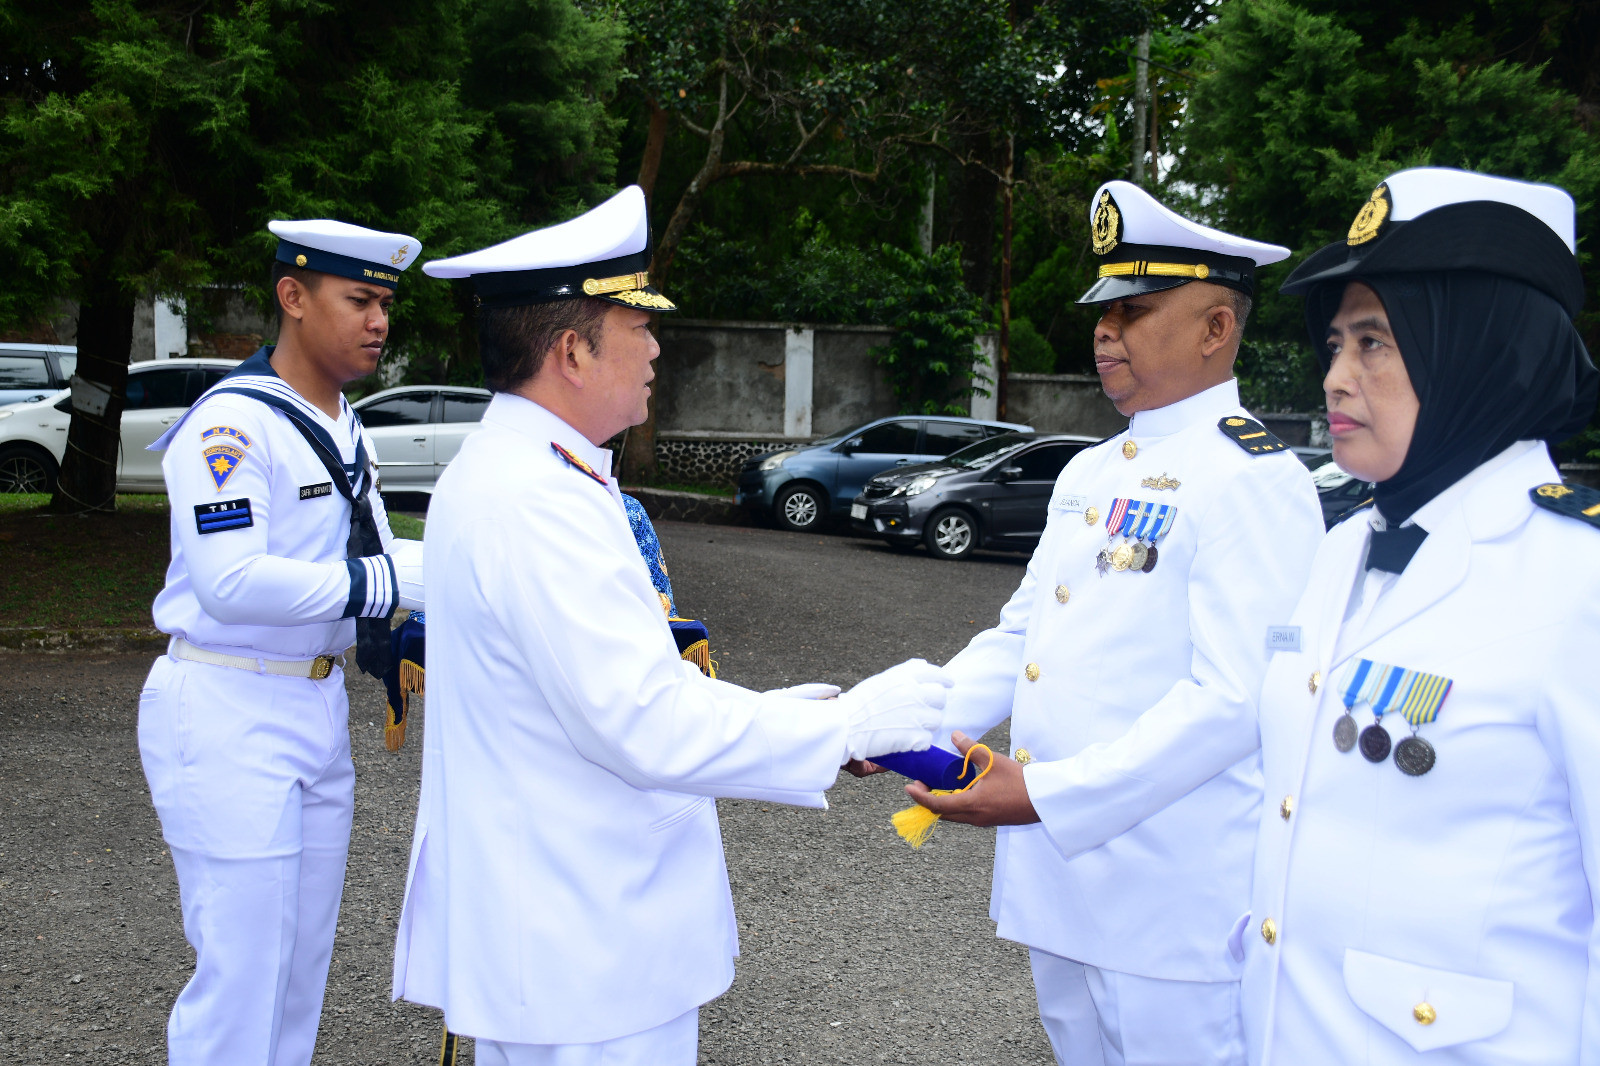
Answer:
[(1392, 549)]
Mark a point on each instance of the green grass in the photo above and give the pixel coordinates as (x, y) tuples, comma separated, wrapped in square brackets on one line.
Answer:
[(406, 527)]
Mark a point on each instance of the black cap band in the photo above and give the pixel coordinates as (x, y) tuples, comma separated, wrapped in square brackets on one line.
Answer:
[(344, 266), (1133, 269), (514, 288)]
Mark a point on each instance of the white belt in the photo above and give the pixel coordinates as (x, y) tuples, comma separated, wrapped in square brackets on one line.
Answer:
[(316, 669)]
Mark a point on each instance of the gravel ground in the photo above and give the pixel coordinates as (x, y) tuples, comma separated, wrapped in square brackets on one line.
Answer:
[(856, 949)]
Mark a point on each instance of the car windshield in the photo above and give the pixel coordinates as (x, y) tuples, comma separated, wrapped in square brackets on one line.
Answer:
[(832, 438), (1328, 476), (986, 451)]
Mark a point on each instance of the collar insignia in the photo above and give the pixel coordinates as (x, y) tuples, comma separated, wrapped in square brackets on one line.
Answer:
[(579, 463), (1369, 220)]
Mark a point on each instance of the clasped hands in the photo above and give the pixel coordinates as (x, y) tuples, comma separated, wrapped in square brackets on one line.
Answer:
[(898, 710)]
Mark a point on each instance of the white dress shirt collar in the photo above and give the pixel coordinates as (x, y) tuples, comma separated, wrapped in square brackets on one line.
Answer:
[(1430, 514), (1206, 406), (521, 415)]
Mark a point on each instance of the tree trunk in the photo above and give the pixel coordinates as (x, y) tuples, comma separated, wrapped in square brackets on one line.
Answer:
[(972, 225), (88, 478), (1003, 371), (1141, 101), (925, 224), (655, 141)]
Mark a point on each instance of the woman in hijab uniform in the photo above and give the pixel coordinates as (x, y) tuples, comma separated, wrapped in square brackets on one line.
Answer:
[(1428, 857)]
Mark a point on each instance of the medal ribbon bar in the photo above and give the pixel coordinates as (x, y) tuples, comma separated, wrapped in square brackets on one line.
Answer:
[(1416, 695)]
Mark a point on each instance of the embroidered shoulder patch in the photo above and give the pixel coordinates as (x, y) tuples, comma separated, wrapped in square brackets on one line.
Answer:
[(579, 464), (1251, 435), (216, 517), (1573, 501), (223, 449)]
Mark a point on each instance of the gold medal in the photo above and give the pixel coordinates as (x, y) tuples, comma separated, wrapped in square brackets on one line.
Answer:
[(1140, 553), (1122, 558)]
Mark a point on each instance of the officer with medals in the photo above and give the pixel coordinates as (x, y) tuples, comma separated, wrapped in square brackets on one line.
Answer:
[(1428, 861), (568, 900), (1130, 659), (281, 559)]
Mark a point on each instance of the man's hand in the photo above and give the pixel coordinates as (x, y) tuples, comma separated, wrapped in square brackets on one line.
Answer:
[(863, 768), (1000, 798)]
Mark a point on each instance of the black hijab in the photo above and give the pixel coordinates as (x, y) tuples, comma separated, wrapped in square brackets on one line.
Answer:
[(1493, 361)]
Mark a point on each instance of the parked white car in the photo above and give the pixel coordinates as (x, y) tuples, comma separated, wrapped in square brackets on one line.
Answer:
[(418, 429), (33, 435), (34, 371)]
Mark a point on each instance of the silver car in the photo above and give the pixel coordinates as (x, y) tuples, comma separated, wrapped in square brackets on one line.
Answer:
[(418, 429)]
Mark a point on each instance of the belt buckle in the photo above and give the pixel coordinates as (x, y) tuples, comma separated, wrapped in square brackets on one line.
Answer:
[(321, 667)]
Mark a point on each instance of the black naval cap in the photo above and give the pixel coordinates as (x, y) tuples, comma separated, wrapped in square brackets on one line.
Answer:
[(1430, 219), (1146, 247), (604, 253)]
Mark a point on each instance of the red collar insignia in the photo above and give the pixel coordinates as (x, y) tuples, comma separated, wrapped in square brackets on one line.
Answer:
[(579, 463)]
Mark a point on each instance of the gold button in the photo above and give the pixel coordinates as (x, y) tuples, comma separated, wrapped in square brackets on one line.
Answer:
[(1315, 682), (1031, 672), (1091, 516), (1286, 808), (1063, 594), (1129, 449), (1269, 931), (1023, 756), (299, 260), (1424, 1014)]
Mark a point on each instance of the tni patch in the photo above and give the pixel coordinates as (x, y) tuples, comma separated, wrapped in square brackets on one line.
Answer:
[(216, 517), (312, 492)]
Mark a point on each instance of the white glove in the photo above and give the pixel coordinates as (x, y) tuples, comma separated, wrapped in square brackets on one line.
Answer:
[(407, 557), (816, 691), (897, 710)]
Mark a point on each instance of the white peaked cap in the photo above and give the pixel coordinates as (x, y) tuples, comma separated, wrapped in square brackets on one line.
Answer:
[(1419, 190), (1146, 220), (392, 252), (616, 228)]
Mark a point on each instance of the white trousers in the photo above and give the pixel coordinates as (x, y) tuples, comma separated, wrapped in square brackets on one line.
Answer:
[(674, 1043), (1098, 1017), (251, 777)]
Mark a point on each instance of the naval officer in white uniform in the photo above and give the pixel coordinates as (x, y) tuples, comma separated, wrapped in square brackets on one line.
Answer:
[(1130, 659), (567, 902), (281, 555), (1428, 866)]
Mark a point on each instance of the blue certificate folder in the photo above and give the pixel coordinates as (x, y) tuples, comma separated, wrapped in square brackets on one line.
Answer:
[(935, 767)]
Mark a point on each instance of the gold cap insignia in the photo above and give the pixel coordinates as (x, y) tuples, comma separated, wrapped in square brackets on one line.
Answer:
[(1236, 422), (399, 257), (1370, 219), (299, 260), (1554, 492), (1107, 225)]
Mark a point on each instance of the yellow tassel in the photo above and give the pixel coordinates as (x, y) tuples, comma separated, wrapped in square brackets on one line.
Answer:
[(412, 679), (699, 653), (915, 823)]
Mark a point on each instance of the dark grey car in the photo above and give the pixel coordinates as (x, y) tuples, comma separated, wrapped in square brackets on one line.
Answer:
[(993, 494)]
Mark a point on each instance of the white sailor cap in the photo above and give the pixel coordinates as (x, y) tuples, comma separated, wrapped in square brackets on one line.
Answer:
[(603, 253), (330, 247), (1145, 246), (1437, 218)]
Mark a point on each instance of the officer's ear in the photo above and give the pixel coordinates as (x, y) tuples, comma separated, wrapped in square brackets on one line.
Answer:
[(293, 290), (566, 355), (1222, 330)]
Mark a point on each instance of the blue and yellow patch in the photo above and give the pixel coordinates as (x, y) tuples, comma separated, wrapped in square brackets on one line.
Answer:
[(223, 449)]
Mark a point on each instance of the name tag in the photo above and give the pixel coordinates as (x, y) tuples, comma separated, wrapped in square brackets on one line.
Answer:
[(1283, 638), (1070, 503), (311, 492)]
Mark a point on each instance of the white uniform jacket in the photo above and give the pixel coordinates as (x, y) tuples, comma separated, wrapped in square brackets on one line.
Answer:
[(259, 532), (1141, 721), (1470, 889), (567, 882)]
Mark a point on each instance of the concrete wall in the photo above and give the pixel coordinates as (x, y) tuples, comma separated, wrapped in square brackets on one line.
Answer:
[(1062, 403)]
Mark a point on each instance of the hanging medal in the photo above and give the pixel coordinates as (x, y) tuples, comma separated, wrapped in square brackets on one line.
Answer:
[(1114, 520), (1416, 695), (1160, 523), (1122, 557), (1141, 551)]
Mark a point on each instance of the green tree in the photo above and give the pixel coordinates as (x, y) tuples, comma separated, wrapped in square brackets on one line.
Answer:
[(930, 358), (1300, 112)]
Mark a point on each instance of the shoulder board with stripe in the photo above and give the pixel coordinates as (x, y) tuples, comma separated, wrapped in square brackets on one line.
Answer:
[(1250, 435), (579, 464), (1573, 501)]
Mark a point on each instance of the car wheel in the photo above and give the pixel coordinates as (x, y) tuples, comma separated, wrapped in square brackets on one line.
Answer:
[(800, 508), (951, 533), (26, 469)]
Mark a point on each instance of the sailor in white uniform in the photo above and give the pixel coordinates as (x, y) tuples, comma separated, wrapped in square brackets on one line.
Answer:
[(568, 903), (1428, 863), (281, 557), (1130, 659)]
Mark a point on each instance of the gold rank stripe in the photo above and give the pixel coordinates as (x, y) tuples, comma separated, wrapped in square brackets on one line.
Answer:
[(620, 283), (1141, 268)]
